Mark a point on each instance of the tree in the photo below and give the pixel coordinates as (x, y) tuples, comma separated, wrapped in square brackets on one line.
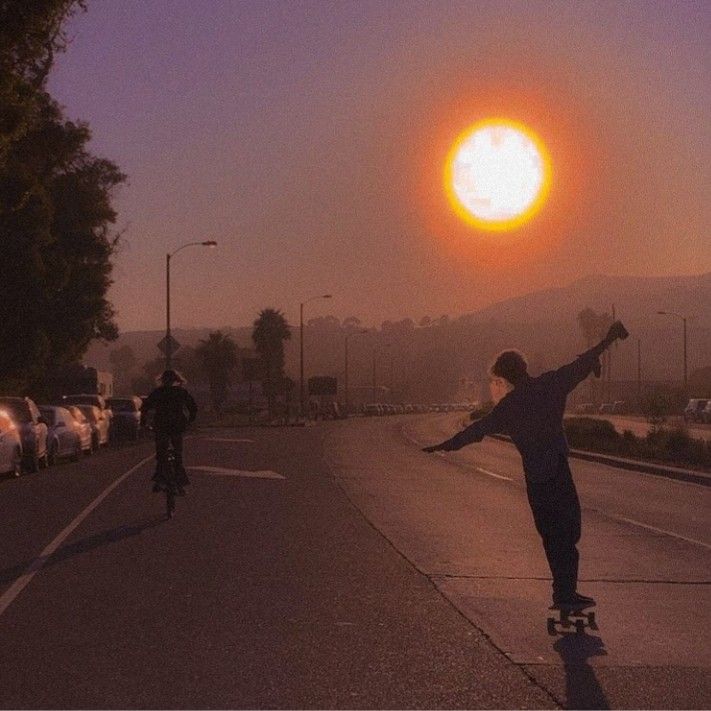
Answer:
[(271, 329), (55, 208), (30, 35), (57, 244), (218, 356)]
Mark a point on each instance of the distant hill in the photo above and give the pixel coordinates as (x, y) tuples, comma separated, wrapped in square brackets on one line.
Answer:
[(636, 299), (542, 323)]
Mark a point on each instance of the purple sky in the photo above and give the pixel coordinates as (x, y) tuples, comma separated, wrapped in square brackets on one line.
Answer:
[(304, 138)]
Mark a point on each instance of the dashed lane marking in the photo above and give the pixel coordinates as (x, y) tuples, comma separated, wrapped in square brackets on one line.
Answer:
[(229, 439), (659, 530), (38, 563), (494, 474), (221, 471)]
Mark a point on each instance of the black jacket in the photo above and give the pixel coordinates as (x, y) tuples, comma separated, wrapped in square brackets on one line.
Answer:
[(532, 415), (174, 407)]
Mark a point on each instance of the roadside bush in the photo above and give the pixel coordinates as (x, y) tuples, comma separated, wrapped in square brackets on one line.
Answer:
[(673, 446), (592, 433)]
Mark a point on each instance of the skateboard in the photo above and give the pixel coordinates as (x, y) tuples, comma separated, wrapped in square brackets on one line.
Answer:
[(572, 617)]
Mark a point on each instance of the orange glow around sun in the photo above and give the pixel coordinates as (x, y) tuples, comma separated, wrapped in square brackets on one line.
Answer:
[(497, 174)]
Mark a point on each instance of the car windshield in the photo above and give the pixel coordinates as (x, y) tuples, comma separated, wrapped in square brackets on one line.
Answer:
[(88, 412), (122, 405), (49, 415), (19, 411)]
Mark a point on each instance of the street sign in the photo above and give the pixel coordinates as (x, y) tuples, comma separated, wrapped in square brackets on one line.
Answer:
[(168, 344)]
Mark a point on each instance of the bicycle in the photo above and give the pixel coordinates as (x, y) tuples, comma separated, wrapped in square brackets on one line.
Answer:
[(168, 473)]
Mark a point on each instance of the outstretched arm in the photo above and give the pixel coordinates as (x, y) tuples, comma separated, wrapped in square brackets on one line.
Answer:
[(489, 424), (570, 375)]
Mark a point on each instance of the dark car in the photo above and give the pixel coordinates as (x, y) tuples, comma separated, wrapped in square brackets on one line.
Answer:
[(33, 430), (126, 419)]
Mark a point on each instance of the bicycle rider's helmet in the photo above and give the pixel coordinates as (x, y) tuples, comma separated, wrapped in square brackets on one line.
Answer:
[(172, 377)]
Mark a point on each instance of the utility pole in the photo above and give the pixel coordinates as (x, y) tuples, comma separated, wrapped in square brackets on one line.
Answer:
[(639, 375)]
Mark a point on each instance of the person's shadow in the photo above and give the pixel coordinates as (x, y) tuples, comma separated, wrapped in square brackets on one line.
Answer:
[(9, 575), (582, 689)]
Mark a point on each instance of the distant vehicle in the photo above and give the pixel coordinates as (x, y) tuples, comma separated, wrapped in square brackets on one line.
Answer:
[(63, 438), (126, 416), (10, 445), (99, 425), (83, 428), (371, 409), (32, 428), (607, 408), (694, 409)]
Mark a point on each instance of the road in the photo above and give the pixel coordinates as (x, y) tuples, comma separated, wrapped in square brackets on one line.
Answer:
[(337, 566)]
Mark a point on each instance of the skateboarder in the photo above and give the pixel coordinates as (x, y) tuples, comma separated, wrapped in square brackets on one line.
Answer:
[(531, 413)]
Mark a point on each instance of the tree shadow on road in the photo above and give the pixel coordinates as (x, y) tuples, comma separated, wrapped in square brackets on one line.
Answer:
[(582, 689), (113, 535)]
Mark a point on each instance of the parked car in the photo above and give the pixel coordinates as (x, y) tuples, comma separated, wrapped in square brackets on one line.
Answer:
[(88, 399), (32, 428), (63, 439), (10, 445), (83, 427), (126, 416), (706, 413), (99, 424), (694, 409)]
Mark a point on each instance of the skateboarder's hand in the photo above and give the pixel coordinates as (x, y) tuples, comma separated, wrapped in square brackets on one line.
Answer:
[(617, 330), (431, 448)]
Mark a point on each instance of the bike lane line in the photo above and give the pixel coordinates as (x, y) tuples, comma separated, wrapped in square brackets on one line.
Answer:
[(7, 598)]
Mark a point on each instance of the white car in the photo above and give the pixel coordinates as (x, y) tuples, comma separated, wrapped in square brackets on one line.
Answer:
[(63, 439), (83, 428), (10, 446), (99, 424)]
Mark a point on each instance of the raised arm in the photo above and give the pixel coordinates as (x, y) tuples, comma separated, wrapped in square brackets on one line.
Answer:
[(487, 425), (570, 375)]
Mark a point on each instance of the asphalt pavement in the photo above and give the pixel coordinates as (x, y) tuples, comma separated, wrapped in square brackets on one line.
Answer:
[(463, 521), (269, 589)]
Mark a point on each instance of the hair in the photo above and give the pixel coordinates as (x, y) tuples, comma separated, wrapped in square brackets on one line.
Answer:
[(170, 377), (510, 365)]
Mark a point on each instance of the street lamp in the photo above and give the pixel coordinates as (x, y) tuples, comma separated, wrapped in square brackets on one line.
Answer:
[(301, 347), (683, 318), (346, 397), (168, 337)]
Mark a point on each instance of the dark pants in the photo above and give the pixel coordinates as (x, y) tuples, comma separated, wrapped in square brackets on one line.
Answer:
[(163, 440), (556, 511)]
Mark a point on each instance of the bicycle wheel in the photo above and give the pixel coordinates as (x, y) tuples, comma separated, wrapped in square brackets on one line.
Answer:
[(169, 502)]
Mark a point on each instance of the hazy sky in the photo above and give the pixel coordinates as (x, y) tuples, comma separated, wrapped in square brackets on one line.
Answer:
[(308, 139)]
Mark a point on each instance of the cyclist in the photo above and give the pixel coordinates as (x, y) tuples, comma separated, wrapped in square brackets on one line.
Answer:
[(174, 410)]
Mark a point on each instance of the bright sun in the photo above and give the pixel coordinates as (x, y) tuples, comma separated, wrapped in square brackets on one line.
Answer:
[(497, 174)]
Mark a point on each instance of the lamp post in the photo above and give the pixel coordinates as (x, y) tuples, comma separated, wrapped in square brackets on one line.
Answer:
[(168, 256), (346, 394), (683, 318), (301, 348)]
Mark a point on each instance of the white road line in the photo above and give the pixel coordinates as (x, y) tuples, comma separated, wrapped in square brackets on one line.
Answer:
[(658, 530), (221, 471), (496, 476), (38, 563), (228, 439)]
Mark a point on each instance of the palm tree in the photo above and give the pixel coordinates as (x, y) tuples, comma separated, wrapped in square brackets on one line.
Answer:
[(271, 329), (218, 356)]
